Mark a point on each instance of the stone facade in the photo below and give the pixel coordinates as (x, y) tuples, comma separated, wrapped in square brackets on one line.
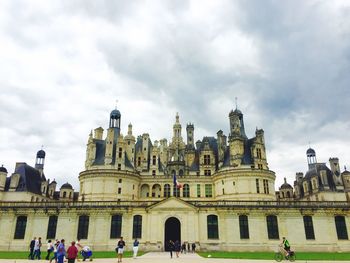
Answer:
[(217, 192)]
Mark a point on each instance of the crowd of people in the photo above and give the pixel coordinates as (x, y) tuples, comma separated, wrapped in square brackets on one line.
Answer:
[(57, 251), (177, 248)]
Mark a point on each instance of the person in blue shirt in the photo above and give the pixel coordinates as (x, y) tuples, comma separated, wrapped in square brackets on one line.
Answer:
[(61, 252)]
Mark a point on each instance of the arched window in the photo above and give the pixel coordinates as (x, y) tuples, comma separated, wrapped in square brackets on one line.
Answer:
[(138, 161), (181, 173), (154, 160), (186, 190), (120, 154), (137, 227), (288, 194), (70, 194), (64, 194), (176, 191), (272, 227), (213, 228), (166, 190)]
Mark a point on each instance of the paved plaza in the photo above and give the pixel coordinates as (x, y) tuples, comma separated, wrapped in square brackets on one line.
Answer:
[(162, 257)]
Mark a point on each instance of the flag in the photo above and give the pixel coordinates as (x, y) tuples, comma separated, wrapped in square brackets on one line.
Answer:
[(176, 182)]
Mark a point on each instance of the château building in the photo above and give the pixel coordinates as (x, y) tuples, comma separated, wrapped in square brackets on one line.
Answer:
[(226, 199)]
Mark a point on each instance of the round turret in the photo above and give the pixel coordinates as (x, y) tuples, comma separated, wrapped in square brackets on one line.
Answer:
[(310, 152), (66, 186), (115, 114), (3, 169), (40, 154)]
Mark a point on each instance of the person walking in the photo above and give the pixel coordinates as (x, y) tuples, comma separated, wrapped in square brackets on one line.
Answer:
[(31, 249), (120, 249), (72, 253), (188, 247), (61, 252), (37, 252), (171, 247), (49, 249), (135, 248), (193, 247), (177, 248), (55, 251)]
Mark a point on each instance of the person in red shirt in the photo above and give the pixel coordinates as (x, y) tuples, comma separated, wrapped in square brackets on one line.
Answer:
[(72, 253)]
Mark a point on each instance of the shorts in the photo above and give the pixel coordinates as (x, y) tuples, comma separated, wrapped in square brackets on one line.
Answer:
[(120, 250)]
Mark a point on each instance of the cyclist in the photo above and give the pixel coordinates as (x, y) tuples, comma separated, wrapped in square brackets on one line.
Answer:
[(286, 246)]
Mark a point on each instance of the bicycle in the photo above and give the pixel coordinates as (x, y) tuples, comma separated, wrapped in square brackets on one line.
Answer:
[(280, 255)]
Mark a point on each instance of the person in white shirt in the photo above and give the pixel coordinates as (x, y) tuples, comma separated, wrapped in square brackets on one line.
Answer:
[(49, 249)]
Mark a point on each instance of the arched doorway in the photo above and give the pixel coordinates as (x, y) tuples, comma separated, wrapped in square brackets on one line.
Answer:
[(172, 231)]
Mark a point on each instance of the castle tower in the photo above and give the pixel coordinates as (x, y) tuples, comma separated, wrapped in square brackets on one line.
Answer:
[(113, 133), (237, 124), (130, 144), (190, 136)]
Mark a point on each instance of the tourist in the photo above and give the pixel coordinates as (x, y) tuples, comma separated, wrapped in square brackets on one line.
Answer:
[(31, 248), (72, 253), (79, 247), (55, 246), (49, 249), (135, 248), (286, 246), (120, 249), (193, 247), (37, 252), (183, 248), (61, 252), (171, 247), (188, 247), (177, 248)]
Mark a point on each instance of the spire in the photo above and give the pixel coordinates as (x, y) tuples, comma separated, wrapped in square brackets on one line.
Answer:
[(236, 99), (177, 117)]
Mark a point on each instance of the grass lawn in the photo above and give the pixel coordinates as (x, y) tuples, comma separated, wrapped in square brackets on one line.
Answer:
[(270, 255), (97, 254)]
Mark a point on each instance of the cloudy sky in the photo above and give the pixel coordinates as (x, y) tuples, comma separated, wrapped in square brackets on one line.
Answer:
[(63, 64)]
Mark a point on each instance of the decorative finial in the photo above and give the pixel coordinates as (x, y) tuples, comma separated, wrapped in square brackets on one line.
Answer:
[(42, 146), (116, 104), (236, 102), (345, 167)]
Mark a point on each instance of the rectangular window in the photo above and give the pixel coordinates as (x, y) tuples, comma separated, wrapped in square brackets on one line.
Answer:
[(207, 172), (153, 172), (213, 228), (137, 227), (154, 160), (208, 190), (21, 225), (257, 186), (243, 227), (119, 190), (260, 166), (272, 227), (206, 159), (258, 153), (120, 154), (309, 227), (340, 226), (266, 186), (116, 226), (51, 228), (198, 190), (119, 166), (83, 227)]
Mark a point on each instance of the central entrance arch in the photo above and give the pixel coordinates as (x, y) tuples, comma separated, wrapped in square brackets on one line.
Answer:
[(172, 231)]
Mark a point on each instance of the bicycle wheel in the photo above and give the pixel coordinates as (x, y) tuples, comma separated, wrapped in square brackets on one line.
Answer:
[(278, 257), (292, 257)]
